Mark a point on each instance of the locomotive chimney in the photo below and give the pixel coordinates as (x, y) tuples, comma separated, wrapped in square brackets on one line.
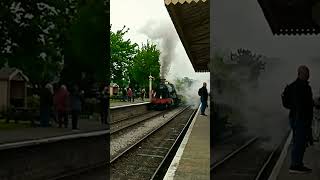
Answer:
[(162, 80)]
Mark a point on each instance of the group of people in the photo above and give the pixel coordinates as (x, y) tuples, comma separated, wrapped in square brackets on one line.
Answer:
[(129, 94), (59, 104), (62, 102)]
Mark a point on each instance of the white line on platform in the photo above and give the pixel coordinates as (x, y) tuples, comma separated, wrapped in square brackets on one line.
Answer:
[(52, 139), (128, 105), (276, 169), (175, 162)]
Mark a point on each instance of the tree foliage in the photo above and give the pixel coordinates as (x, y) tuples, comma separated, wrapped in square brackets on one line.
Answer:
[(86, 45), (146, 62), (32, 36), (130, 64), (241, 67), (42, 38), (122, 54)]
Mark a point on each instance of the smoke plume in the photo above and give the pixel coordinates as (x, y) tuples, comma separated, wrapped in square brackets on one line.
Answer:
[(190, 93), (164, 33), (261, 107)]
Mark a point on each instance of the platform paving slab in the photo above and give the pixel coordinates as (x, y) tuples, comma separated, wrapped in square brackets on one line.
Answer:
[(311, 159), (194, 163)]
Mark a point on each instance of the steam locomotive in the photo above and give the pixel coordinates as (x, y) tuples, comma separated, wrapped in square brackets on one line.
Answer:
[(165, 96)]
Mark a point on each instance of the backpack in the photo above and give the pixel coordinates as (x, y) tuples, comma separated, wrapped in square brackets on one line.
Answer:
[(287, 98), (200, 92)]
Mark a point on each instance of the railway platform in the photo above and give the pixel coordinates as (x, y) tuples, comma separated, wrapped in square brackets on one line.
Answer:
[(311, 159), (192, 160), (74, 151), (36, 133)]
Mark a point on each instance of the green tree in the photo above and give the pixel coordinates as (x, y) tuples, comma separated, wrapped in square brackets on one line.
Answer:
[(32, 36), (145, 62), (85, 47), (122, 54)]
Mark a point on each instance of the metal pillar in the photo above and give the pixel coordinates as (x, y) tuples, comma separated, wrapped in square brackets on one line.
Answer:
[(150, 87)]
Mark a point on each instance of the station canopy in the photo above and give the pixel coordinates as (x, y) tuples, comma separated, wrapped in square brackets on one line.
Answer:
[(292, 17), (191, 19)]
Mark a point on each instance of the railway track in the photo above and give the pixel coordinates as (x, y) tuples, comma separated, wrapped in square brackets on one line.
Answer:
[(251, 161), (131, 121), (149, 157)]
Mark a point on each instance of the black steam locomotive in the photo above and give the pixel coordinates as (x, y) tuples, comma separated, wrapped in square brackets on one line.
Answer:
[(165, 96)]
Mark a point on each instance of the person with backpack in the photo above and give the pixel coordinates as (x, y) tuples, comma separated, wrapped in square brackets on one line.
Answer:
[(203, 93), (297, 97)]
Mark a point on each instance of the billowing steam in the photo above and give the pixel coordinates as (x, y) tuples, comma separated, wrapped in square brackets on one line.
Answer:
[(261, 107), (165, 34), (190, 92)]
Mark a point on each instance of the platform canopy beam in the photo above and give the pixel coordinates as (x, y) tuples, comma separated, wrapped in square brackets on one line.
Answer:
[(191, 19)]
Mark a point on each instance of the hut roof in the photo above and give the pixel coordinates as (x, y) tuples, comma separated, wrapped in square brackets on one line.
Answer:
[(114, 85), (7, 73)]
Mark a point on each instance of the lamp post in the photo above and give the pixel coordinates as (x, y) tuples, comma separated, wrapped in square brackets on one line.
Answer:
[(150, 87)]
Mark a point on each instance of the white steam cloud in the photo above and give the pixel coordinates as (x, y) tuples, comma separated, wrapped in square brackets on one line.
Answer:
[(164, 33)]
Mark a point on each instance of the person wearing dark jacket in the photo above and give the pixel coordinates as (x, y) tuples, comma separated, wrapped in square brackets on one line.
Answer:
[(76, 100), (104, 99), (301, 115), (203, 93), (46, 103)]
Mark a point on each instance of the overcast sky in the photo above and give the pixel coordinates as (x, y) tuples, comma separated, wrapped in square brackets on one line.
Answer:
[(135, 14)]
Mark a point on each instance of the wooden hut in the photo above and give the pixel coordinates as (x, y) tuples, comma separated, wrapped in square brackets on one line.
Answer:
[(114, 89), (13, 88)]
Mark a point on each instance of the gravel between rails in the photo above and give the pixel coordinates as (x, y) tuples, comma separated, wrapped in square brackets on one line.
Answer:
[(245, 165), (228, 146), (116, 126), (142, 161), (120, 141)]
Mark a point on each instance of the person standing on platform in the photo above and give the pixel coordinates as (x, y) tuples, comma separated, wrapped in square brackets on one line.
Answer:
[(133, 94), (203, 93), (129, 94), (46, 102), (104, 99), (297, 97), (76, 100), (124, 95), (143, 93), (61, 101)]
